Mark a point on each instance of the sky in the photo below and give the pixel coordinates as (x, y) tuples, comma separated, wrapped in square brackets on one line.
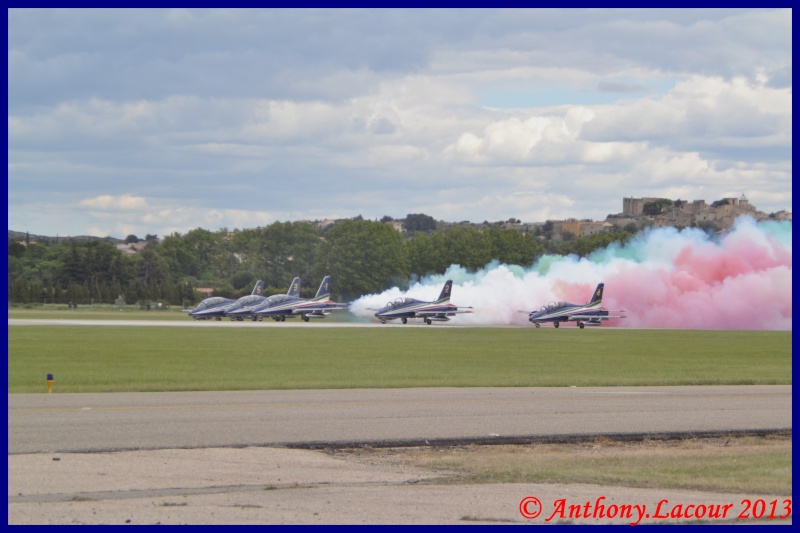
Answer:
[(155, 121)]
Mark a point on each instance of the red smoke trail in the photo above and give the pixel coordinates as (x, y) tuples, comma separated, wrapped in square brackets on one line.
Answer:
[(662, 278), (742, 282)]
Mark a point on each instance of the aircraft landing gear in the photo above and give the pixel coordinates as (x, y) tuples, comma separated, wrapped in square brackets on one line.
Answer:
[(404, 320), (555, 324), (580, 325), (428, 321), (537, 325), (383, 322), (305, 318)]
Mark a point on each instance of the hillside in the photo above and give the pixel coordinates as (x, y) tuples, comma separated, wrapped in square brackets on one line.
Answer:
[(21, 235)]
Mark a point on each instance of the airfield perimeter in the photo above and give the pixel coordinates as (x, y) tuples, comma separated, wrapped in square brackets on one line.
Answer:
[(207, 457)]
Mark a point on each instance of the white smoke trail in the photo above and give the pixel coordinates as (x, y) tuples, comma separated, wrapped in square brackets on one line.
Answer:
[(663, 278)]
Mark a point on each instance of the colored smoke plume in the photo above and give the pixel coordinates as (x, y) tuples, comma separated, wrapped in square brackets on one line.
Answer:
[(662, 278)]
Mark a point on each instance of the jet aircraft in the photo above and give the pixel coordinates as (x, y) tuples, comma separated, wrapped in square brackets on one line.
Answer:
[(215, 307), (405, 308), (283, 306), (589, 314), (244, 306)]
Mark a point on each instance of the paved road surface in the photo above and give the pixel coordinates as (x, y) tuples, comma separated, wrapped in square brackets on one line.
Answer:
[(129, 421)]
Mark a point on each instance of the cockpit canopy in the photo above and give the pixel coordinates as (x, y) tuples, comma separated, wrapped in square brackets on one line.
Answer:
[(398, 302), (211, 302), (554, 305)]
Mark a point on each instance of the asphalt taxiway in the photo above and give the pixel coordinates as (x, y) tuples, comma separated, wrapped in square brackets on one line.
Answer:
[(318, 418)]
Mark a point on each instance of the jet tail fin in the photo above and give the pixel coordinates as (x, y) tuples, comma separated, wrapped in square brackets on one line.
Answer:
[(258, 288), (294, 288), (324, 288), (597, 297), (446, 290)]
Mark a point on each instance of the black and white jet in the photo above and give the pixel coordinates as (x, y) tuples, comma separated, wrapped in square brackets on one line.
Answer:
[(406, 308), (590, 313)]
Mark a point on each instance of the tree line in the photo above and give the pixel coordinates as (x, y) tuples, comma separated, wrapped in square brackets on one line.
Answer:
[(363, 256)]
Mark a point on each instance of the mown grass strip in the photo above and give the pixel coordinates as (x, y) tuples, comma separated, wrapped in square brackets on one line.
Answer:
[(112, 359)]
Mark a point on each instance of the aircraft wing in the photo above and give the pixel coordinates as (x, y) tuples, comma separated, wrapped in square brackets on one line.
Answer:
[(440, 312), (320, 309), (593, 317)]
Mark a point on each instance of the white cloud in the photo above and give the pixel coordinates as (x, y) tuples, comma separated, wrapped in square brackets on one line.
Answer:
[(108, 202), (237, 118)]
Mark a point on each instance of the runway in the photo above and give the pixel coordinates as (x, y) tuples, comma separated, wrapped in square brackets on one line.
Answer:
[(189, 323), (316, 418)]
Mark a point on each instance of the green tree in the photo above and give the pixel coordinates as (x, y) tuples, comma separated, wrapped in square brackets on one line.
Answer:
[(513, 247), (656, 207), (419, 222), (15, 249), (36, 251), (151, 268), (427, 253), (191, 254), (362, 256), (120, 271), (284, 251), (98, 258), (468, 247), (74, 266), (243, 279)]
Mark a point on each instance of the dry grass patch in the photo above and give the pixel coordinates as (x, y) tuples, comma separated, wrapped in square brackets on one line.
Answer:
[(751, 465)]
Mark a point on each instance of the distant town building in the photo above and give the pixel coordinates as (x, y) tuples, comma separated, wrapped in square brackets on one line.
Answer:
[(396, 224), (634, 207), (567, 226), (589, 228), (721, 213), (132, 248)]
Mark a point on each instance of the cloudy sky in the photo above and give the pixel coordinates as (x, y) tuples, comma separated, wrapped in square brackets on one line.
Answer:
[(157, 121)]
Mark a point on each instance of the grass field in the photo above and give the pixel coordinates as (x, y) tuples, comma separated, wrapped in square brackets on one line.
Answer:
[(112, 312), (125, 358), (97, 312)]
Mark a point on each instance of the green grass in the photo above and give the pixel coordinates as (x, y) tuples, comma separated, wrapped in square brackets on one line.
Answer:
[(111, 359), (112, 312), (96, 312)]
